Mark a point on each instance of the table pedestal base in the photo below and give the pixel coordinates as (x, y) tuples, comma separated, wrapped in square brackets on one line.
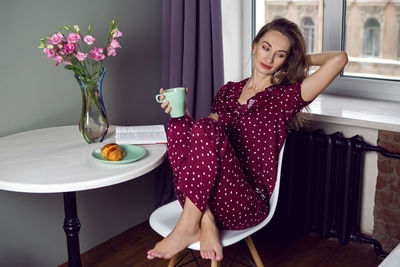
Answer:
[(71, 229)]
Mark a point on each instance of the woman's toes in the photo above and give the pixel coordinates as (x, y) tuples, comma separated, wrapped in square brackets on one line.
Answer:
[(219, 257), (209, 254), (149, 255), (204, 254)]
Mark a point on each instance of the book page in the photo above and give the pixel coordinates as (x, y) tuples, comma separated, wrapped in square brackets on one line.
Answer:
[(148, 134)]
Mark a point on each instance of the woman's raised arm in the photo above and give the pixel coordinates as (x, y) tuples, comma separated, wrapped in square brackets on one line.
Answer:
[(332, 63)]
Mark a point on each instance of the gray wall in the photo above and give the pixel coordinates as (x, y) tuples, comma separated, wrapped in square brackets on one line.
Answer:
[(36, 94)]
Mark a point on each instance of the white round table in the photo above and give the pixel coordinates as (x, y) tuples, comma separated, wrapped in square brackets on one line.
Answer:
[(57, 159)]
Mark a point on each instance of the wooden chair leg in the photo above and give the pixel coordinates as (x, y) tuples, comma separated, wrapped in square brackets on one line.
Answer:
[(215, 263), (254, 252), (173, 260)]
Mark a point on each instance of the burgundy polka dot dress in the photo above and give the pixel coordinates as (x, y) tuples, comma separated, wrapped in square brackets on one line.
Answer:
[(220, 164)]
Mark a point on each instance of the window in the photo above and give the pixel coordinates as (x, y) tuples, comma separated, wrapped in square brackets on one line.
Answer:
[(371, 38), (398, 44), (307, 27), (368, 30), (306, 13), (372, 33)]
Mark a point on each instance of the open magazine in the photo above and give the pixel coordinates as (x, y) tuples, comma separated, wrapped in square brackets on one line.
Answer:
[(137, 135)]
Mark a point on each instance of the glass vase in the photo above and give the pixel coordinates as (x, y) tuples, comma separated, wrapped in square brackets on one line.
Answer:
[(93, 124)]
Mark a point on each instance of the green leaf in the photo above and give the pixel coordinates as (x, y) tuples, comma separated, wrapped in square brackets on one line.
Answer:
[(89, 29), (74, 60), (69, 67)]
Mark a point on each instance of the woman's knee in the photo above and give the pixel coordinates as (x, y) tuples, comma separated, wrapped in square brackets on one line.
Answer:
[(179, 125), (209, 131), (205, 126)]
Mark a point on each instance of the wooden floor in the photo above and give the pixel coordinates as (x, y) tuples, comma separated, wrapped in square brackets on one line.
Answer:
[(275, 248)]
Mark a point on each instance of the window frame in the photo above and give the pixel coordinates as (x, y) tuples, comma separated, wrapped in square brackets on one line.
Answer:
[(334, 40)]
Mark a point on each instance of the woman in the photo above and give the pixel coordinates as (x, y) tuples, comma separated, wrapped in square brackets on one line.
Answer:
[(225, 165)]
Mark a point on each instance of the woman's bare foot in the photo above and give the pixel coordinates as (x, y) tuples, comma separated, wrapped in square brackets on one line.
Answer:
[(176, 241), (210, 244), (186, 232)]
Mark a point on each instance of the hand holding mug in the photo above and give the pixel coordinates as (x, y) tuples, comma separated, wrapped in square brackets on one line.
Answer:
[(164, 105), (173, 101)]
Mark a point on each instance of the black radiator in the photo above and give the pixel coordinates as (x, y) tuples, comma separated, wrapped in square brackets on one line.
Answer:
[(321, 185)]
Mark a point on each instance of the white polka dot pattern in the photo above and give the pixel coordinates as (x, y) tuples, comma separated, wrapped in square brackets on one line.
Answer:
[(213, 162)]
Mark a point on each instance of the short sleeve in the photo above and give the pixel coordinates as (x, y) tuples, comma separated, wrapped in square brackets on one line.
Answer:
[(219, 99), (293, 100)]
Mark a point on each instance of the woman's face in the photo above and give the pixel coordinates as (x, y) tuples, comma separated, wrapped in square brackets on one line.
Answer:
[(270, 52)]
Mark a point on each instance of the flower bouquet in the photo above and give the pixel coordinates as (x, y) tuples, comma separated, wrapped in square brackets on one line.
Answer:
[(77, 51)]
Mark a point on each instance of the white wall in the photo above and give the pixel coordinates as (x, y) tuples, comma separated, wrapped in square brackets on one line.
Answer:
[(36, 94), (237, 39)]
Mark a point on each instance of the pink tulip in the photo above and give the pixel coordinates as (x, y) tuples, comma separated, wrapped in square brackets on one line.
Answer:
[(57, 58), (56, 38), (80, 56), (48, 52), (117, 33), (68, 48), (114, 44), (111, 52), (89, 39), (73, 38), (97, 54)]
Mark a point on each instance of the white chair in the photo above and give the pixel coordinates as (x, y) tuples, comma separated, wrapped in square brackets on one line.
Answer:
[(164, 219)]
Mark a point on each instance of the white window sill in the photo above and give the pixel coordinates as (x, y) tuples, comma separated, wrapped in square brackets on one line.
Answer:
[(366, 113)]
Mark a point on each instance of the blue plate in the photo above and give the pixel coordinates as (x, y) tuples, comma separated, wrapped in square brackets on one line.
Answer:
[(132, 153)]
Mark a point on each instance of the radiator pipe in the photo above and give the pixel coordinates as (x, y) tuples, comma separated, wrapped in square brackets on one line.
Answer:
[(363, 146), (377, 246), (360, 145)]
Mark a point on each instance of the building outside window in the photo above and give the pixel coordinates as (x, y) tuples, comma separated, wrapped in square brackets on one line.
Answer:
[(398, 44), (307, 27), (372, 28), (308, 14), (371, 38)]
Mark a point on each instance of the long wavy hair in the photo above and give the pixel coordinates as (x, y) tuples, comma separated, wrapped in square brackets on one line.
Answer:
[(296, 66)]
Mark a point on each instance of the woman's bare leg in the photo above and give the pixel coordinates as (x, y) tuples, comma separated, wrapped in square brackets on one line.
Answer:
[(210, 243), (186, 232)]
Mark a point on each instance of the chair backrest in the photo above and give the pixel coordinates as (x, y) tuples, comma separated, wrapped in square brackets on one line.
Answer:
[(273, 202)]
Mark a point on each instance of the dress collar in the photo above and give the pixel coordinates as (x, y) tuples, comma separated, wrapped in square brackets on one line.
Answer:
[(235, 93)]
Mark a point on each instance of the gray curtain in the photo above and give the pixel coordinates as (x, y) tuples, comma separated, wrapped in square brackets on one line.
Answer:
[(193, 58), (192, 50)]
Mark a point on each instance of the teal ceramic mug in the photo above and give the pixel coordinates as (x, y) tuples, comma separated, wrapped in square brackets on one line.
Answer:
[(176, 99)]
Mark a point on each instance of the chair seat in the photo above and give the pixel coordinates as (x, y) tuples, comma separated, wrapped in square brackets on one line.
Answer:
[(164, 219)]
